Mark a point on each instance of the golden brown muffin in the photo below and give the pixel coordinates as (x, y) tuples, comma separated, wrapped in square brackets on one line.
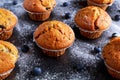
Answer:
[(39, 10), (7, 22), (55, 36), (8, 58), (92, 21), (100, 3), (111, 55)]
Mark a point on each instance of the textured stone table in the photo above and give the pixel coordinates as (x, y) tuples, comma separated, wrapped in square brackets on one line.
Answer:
[(64, 67)]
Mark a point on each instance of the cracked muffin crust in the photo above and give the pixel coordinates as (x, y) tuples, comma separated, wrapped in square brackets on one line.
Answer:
[(8, 58), (39, 10), (92, 18), (7, 19), (54, 35), (111, 56), (102, 1), (7, 22), (39, 5)]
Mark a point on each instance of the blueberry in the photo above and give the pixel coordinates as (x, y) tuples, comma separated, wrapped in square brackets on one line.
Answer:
[(25, 48), (114, 35), (65, 4), (37, 71), (67, 16), (118, 10), (14, 2), (97, 49), (117, 17)]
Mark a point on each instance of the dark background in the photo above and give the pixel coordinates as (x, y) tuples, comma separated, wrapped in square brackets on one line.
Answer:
[(78, 63)]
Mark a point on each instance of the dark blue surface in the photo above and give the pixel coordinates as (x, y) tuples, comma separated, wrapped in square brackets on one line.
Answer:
[(78, 63)]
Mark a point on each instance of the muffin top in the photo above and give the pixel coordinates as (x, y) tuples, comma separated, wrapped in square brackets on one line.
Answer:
[(39, 5), (7, 19), (8, 56), (92, 18), (111, 53), (102, 1), (54, 35)]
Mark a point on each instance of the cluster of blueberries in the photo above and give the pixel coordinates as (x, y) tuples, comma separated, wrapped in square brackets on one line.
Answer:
[(38, 70)]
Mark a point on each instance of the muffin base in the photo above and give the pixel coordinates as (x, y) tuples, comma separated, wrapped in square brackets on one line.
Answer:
[(114, 73), (5, 75), (103, 6), (53, 53), (39, 16), (4, 35), (89, 35)]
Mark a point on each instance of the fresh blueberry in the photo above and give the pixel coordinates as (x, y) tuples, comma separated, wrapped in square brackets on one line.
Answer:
[(97, 49), (25, 48), (37, 71), (65, 4), (67, 15), (118, 10), (114, 35), (14, 2), (117, 17)]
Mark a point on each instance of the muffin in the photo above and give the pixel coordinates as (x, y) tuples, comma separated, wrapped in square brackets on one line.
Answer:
[(54, 37), (100, 3), (7, 22), (8, 58), (39, 10), (111, 56), (92, 21)]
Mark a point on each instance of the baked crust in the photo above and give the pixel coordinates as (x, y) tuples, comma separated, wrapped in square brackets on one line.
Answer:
[(7, 20), (8, 56), (39, 5), (54, 35), (92, 18), (111, 53)]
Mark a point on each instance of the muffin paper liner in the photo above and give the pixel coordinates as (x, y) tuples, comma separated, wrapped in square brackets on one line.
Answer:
[(111, 68), (90, 31), (35, 12), (112, 71), (6, 31), (90, 34), (39, 16), (8, 72), (4, 35), (51, 53), (50, 49)]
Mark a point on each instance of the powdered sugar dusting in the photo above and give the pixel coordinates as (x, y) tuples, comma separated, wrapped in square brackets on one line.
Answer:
[(61, 68)]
